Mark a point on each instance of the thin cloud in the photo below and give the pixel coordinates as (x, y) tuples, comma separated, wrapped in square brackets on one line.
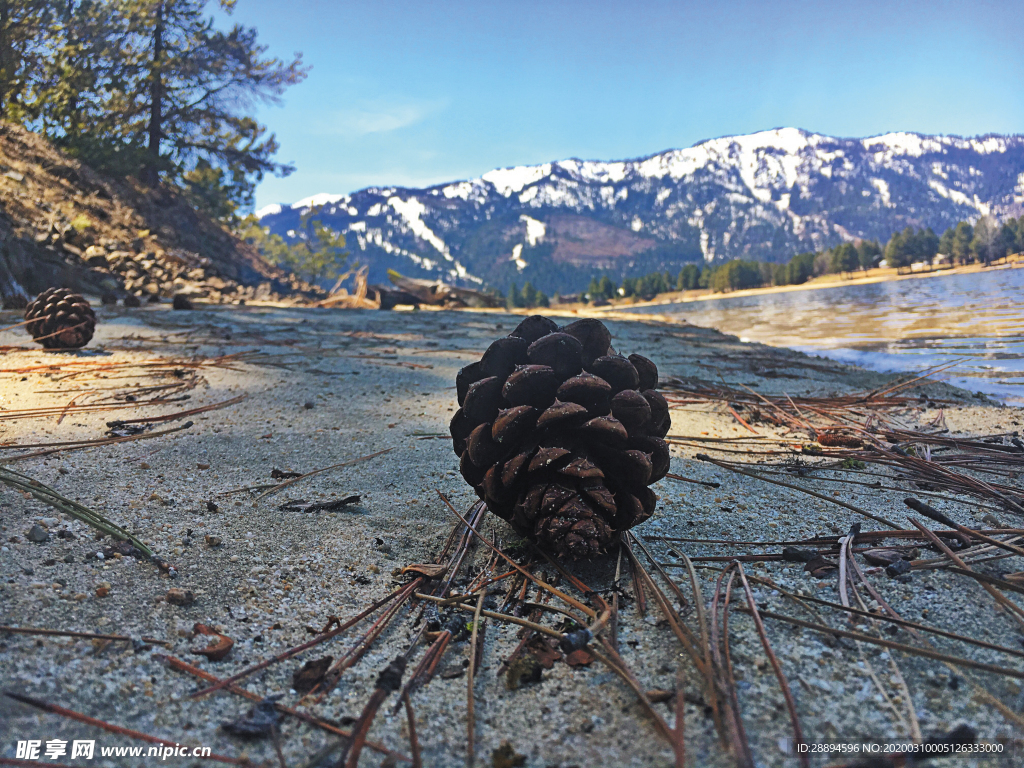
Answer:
[(377, 117)]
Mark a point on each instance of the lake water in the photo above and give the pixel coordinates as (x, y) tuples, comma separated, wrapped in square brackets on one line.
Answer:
[(904, 325)]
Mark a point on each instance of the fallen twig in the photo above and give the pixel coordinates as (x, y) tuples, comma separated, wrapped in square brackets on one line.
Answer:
[(111, 728), (84, 635), (323, 637), (350, 462)]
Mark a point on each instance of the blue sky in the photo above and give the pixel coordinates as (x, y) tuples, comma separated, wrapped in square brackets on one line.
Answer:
[(416, 93)]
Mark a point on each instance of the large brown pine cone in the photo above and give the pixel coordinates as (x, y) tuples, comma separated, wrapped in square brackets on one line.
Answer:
[(561, 436), (61, 319)]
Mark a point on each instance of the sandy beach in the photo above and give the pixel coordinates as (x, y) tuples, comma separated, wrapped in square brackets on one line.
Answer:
[(296, 390)]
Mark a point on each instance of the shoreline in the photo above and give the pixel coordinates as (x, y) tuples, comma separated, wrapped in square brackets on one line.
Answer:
[(876, 275)]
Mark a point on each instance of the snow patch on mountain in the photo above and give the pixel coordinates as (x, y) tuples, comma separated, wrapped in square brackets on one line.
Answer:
[(883, 190), (535, 230), (510, 180), (412, 210), (269, 210), (951, 194), (317, 201), (517, 257)]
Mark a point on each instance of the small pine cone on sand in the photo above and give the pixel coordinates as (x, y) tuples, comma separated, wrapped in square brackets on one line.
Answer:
[(60, 319)]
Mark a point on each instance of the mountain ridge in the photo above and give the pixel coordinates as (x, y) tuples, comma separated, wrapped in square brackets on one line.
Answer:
[(766, 195)]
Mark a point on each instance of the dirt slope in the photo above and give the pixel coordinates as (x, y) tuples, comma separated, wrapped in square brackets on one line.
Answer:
[(61, 223)]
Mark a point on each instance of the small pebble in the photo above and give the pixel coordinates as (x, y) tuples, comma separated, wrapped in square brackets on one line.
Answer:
[(178, 596), (38, 534)]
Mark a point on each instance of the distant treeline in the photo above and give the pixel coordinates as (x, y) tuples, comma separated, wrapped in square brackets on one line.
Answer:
[(527, 297), (984, 242)]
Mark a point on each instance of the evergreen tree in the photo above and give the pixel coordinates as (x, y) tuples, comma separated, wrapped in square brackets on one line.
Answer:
[(736, 275), (800, 268), (529, 295), (983, 240), (946, 242), (927, 244), (651, 285), (899, 251), (780, 274), (513, 298), (689, 278), (318, 252), (844, 258), (151, 88), (26, 35), (869, 253), (1005, 241), (963, 233), (601, 289), (1017, 227)]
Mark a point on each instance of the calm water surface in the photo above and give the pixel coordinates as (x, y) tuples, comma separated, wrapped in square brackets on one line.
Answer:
[(905, 325)]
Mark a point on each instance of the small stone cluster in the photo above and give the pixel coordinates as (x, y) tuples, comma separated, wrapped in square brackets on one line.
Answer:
[(145, 270)]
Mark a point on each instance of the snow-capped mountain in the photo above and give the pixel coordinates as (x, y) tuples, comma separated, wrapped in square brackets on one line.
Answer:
[(766, 196)]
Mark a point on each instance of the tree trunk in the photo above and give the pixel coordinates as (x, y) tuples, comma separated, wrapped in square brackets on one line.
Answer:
[(151, 174), (6, 57)]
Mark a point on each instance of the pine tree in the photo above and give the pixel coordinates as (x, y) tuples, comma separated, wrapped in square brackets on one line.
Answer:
[(318, 252), (899, 250), (689, 278), (844, 258), (927, 244), (26, 32), (513, 298), (529, 295), (963, 233), (982, 243), (148, 87), (869, 252)]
